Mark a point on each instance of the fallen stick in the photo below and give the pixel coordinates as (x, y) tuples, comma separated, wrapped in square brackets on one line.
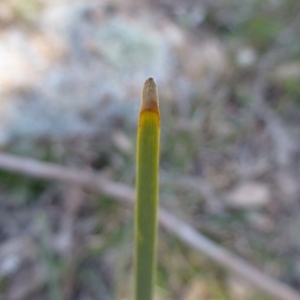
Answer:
[(182, 230)]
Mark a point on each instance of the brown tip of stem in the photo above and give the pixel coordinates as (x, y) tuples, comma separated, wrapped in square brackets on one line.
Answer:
[(149, 96)]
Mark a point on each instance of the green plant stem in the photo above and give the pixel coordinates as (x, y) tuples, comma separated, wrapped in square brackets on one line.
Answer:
[(147, 193)]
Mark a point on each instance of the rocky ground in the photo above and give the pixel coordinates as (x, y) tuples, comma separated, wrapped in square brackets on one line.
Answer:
[(228, 75)]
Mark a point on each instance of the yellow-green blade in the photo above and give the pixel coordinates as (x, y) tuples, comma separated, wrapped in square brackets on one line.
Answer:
[(147, 193)]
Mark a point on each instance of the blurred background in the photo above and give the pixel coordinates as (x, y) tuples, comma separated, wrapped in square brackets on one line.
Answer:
[(228, 75)]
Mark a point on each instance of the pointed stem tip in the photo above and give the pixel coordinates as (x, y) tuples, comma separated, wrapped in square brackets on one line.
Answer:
[(150, 96)]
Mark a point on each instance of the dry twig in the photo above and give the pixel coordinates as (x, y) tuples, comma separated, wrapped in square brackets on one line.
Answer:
[(182, 230)]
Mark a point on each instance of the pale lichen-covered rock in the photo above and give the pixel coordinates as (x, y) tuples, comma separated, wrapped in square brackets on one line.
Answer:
[(85, 63)]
